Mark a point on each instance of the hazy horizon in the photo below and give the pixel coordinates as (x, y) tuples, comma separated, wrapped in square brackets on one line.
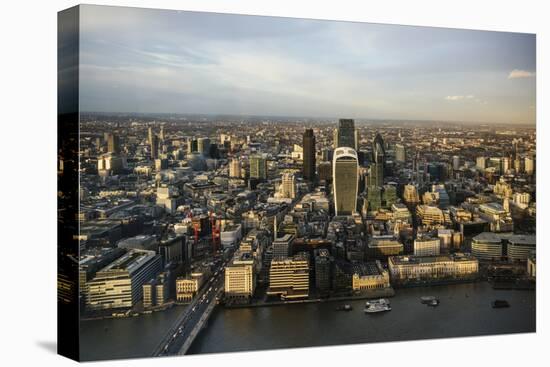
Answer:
[(153, 61)]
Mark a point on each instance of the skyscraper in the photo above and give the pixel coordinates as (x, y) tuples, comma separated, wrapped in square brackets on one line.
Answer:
[(378, 151), (400, 153), (309, 155), (203, 146), (529, 165), (376, 175), (154, 146), (150, 136), (288, 186), (235, 168), (456, 162), (113, 144), (258, 167), (346, 135), (410, 195), (376, 170), (345, 172)]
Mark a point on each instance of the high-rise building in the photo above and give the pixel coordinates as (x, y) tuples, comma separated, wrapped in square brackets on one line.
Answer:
[(161, 134), (309, 155), (481, 163), (506, 164), (288, 186), (389, 196), (203, 146), (374, 198), (378, 150), (113, 144), (192, 145), (529, 165), (154, 146), (456, 162), (410, 195), (258, 167), (150, 136), (376, 175), (323, 265), (345, 172), (400, 153), (325, 171), (282, 246), (235, 168), (346, 135)]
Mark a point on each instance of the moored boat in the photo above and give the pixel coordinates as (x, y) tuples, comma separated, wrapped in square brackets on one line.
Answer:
[(379, 305), (500, 303)]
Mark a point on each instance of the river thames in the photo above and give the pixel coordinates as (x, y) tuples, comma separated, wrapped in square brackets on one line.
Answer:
[(465, 310)]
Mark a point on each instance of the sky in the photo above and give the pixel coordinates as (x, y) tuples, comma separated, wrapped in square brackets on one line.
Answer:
[(163, 61)]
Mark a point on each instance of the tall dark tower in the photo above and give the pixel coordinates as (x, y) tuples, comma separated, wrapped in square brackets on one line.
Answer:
[(154, 146), (309, 155)]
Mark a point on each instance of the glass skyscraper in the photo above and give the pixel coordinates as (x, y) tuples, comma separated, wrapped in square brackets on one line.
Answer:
[(345, 171)]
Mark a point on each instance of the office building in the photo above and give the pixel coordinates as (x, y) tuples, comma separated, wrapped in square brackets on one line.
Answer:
[(149, 294), (235, 168), (113, 144), (378, 150), (323, 265), (487, 246), (203, 146), (345, 180), (400, 153), (432, 269), (308, 170), (427, 246), (529, 165), (192, 145), (430, 215), (374, 198), (376, 175), (282, 246), (410, 195), (481, 163), (120, 284), (389, 196), (456, 162), (240, 277), (381, 246), (154, 145), (188, 287), (288, 186), (520, 247), (289, 278), (258, 167)]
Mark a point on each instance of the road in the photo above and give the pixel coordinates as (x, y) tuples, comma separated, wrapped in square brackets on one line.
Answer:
[(187, 321)]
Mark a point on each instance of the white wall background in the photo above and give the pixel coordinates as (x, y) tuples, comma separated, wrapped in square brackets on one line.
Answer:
[(28, 180)]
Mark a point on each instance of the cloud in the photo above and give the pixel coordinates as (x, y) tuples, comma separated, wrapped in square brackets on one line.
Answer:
[(516, 73), (458, 98)]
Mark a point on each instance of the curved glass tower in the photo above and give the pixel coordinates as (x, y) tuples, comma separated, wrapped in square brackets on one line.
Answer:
[(345, 172)]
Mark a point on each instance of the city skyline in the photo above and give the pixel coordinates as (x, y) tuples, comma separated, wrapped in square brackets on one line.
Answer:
[(186, 62)]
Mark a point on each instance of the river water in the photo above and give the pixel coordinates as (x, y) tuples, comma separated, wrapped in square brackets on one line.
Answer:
[(465, 310)]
